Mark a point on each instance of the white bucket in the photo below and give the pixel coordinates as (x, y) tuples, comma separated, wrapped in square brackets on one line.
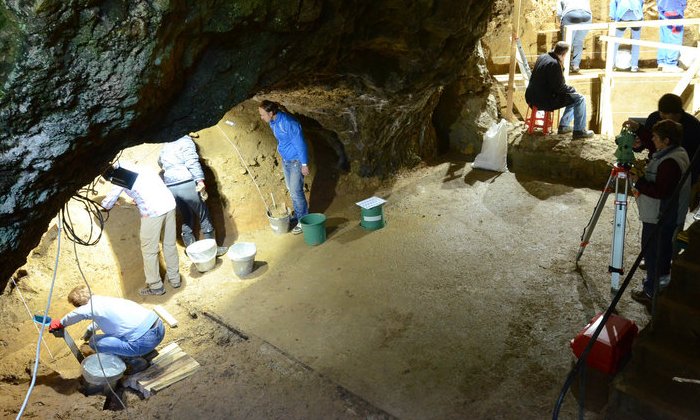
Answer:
[(91, 370), (203, 254), (242, 255)]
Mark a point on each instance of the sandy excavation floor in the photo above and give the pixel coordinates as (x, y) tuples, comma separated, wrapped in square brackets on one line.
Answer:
[(461, 307)]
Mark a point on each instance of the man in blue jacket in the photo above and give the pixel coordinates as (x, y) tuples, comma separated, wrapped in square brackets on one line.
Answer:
[(292, 148), (628, 11), (667, 60)]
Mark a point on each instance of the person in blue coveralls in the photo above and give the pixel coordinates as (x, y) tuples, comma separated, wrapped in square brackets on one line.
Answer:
[(292, 148), (628, 11), (667, 60)]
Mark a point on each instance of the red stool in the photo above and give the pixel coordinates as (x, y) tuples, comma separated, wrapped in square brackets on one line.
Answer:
[(539, 119)]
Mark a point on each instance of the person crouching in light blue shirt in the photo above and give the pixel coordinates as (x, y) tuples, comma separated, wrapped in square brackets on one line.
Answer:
[(128, 329), (292, 148)]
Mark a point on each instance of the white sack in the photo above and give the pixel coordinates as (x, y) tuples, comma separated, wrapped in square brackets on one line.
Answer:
[(494, 149)]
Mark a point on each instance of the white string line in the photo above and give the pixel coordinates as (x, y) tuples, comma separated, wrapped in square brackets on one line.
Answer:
[(31, 316), (245, 165)]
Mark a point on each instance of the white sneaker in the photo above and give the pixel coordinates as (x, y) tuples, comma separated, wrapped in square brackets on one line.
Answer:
[(297, 229), (671, 69)]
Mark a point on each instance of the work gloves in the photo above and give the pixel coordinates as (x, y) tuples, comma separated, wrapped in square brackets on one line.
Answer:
[(56, 328)]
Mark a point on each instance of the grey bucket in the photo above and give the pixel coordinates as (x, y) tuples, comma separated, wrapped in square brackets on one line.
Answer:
[(203, 254), (279, 225), (242, 256)]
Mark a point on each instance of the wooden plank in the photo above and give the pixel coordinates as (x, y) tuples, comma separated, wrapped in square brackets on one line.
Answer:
[(688, 75), (653, 44), (175, 376), (157, 369), (165, 371), (511, 70), (633, 24), (165, 315)]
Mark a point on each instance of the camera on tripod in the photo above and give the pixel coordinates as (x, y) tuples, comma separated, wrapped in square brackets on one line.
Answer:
[(624, 152)]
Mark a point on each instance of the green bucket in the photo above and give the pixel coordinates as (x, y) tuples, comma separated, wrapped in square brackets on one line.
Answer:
[(313, 225), (372, 218)]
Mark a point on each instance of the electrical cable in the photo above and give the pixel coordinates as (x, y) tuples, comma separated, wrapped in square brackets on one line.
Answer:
[(95, 212), (43, 324)]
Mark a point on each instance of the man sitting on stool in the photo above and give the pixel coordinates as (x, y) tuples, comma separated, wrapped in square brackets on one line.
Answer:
[(130, 330), (548, 91)]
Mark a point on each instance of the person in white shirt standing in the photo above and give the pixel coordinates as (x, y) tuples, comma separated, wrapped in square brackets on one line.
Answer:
[(157, 207)]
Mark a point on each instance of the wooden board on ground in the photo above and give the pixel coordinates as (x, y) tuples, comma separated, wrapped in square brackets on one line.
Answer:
[(171, 365), (165, 315)]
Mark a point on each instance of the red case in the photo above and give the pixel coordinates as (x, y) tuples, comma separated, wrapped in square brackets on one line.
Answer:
[(613, 345)]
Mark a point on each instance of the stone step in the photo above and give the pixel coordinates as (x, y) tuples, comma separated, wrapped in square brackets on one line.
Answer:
[(667, 355), (685, 280), (678, 318), (641, 394)]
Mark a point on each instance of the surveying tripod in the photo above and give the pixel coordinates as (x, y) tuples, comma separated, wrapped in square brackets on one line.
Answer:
[(619, 180)]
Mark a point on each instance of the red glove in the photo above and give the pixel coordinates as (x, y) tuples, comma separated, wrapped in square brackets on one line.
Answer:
[(55, 325)]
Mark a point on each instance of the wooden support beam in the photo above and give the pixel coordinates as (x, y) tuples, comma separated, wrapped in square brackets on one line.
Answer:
[(626, 41), (688, 75), (511, 71)]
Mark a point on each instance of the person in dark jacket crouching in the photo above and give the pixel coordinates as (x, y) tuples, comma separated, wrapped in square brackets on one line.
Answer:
[(548, 91), (661, 176)]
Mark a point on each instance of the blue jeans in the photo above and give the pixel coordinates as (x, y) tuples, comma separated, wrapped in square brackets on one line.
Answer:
[(662, 261), (189, 205), (636, 33), (575, 112), (669, 35), (119, 347), (576, 16), (295, 184)]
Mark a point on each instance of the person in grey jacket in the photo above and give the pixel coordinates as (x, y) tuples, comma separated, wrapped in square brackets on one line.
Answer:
[(184, 177), (570, 12)]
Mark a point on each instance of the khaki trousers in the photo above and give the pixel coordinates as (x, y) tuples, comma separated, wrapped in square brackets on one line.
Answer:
[(151, 228)]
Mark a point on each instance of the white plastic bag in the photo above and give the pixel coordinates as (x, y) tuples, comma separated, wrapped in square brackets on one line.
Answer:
[(494, 149)]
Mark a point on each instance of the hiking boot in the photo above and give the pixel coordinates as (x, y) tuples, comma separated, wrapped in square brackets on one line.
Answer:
[(135, 365), (641, 297), (221, 250), (582, 134), (297, 229), (564, 130), (147, 291)]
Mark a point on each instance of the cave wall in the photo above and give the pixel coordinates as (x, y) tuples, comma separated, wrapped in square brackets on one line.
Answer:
[(83, 79)]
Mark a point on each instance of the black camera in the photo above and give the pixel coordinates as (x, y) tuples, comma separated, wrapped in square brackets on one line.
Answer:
[(120, 176)]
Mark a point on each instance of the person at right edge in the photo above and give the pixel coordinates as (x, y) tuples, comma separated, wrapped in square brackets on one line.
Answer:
[(670, 107), (654, 193), (292, 148), (184, 177)]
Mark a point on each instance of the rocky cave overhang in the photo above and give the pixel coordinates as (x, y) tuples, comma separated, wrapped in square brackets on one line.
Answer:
[(83, 79)]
